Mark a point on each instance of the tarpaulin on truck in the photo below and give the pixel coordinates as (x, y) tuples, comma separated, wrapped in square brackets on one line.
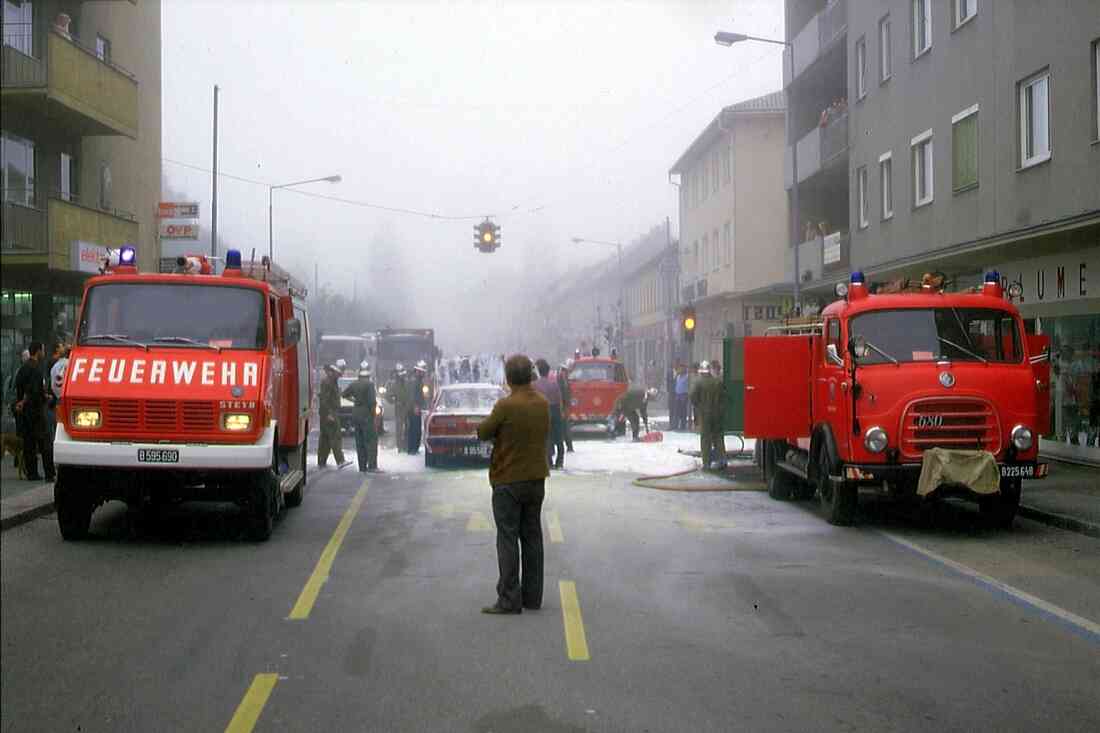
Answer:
[(975, 469)]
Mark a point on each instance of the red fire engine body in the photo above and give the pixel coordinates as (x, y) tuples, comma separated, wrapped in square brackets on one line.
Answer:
[(851, 403), (186, 386)]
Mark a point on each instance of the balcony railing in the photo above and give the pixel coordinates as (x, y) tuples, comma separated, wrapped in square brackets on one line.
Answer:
[(817, 149), (46, 235), (815, 38), (23, 229)]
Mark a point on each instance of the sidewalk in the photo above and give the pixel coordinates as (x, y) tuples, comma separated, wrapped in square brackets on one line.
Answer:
[(21, 500), (1068, 498)]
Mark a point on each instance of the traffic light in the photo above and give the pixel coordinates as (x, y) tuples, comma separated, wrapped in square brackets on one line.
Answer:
[(487, 236), (687, 324)]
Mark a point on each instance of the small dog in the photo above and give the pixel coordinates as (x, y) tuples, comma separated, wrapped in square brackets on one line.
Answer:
[(10, 443)]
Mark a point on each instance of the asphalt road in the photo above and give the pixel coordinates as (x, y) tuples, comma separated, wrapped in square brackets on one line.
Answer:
[(683, 612)]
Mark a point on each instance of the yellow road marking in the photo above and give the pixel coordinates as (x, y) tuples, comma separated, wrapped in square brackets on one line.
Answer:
[(248, 712), (553, 523), (324, 564), (478, 522), (576, 644)]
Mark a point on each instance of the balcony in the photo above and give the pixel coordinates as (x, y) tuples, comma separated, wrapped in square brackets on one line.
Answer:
[(70, 86), (821, 257), (36, 236), (818, 149), (815, 39)]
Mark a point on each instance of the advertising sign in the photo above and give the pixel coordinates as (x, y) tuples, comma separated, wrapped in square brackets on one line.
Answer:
[(178, 231), (1055, 278), (88, 256), (178, 210)]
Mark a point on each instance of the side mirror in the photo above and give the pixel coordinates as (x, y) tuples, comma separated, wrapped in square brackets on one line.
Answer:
[(292, 331), (858, 348), (832, 353)]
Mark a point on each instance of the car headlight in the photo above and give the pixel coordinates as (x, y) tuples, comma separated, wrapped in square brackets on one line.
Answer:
[(1022, 437), (236, 421), (87, 419), (874, 439)]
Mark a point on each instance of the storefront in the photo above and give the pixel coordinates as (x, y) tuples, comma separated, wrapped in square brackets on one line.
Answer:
[(1061, 298)]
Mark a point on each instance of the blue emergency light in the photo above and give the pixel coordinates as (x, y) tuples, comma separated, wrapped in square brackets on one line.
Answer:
[(993, 277), (127, 255), (233, 259), (858, 278)]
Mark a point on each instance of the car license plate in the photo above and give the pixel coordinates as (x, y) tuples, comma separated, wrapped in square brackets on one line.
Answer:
[(477, 451), (1025, 470), (158, 455)]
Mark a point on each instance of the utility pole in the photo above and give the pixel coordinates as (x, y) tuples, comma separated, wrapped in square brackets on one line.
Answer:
[(214, 196), (316, 282)]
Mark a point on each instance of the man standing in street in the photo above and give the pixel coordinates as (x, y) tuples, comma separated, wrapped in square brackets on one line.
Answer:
[(708, 398), (548, 388), (399, 394), (330, 440), (418, 403), (361, 393), (682, 387), (518, 426), (30, 393), (566, 403)]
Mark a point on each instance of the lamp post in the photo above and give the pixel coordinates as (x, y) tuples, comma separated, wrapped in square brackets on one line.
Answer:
[(270, 201), (622, 278), (725, 38)]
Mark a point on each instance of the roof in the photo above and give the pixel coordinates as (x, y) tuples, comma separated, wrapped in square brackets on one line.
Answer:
[(903, 301), (767, 104)]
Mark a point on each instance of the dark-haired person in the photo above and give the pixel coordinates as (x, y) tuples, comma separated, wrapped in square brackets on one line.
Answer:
[(30, 391), (549, 388), (518, 427)]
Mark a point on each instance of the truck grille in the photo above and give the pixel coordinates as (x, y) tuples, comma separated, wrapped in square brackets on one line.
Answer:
[(157, 416), (949, 423)]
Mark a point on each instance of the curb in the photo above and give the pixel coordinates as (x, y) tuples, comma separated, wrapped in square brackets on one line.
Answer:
[(1060, 521), (26, 515)]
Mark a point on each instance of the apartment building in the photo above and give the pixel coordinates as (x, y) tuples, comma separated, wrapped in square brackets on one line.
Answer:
[(81, 132), (971, 144), (734, 224), (651, 341)]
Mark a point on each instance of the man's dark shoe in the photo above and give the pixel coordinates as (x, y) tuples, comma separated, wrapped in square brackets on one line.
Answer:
[(498, 610), (33, 477), (531, 607)]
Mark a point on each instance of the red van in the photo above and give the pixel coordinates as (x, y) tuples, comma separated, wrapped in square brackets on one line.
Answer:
[(595, 382)]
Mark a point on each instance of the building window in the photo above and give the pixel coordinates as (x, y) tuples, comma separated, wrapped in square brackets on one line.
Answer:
[(861, 198), (715, 182), (18, 169), (886, 183), (1035, 119), (727, 169), (885, 62), (19, 26), (727, 230), (68, 177), (861, 68), (964, 10), (1096, 85), (964, 149), (103, 49), (717, 262), (922, 168), (922, 26)]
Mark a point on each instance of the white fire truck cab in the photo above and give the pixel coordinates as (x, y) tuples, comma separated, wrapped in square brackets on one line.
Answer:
[(186, 386)]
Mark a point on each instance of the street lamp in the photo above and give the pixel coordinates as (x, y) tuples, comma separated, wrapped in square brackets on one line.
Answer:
[(725, 38), (270, 199), (622, 277)]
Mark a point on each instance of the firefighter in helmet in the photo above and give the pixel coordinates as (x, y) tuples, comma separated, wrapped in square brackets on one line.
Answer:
[(397, 392), (361, 393), (709, 399), (331, 440)]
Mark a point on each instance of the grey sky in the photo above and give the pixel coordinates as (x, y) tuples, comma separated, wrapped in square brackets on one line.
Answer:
[(560, 118)]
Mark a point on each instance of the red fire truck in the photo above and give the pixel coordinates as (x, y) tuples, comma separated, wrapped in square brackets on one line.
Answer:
[(854, 402), (187, 386)]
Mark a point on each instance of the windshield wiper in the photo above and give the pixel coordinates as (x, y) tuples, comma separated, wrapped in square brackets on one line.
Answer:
[(881, 353), (185, 340), (965, 350), (119, 338)]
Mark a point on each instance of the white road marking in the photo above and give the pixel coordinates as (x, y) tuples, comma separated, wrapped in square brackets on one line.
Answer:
[(1089, 627)]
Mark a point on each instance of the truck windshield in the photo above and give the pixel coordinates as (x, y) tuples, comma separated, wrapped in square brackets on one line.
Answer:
[(179, 316), (597, 373), (408, 350), (932, 334)]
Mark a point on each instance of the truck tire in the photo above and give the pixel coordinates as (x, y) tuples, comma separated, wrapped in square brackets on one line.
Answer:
[(838, 500), (999, 511), (74, 510), (781, 485), (295, 496), (262, 505)]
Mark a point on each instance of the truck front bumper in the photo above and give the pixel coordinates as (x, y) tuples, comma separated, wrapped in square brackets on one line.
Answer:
[(192, 456)]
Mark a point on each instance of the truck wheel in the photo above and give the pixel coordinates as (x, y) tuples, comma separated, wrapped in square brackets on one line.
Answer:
[(294, 498), (74, 511), (262, 505), (838, 500), (1000, 510)]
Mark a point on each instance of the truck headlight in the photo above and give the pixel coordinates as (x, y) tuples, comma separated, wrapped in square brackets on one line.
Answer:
[(236, 421), (381, 390), (874, 439), (424, 390), (87, 419), (1022, 437)]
